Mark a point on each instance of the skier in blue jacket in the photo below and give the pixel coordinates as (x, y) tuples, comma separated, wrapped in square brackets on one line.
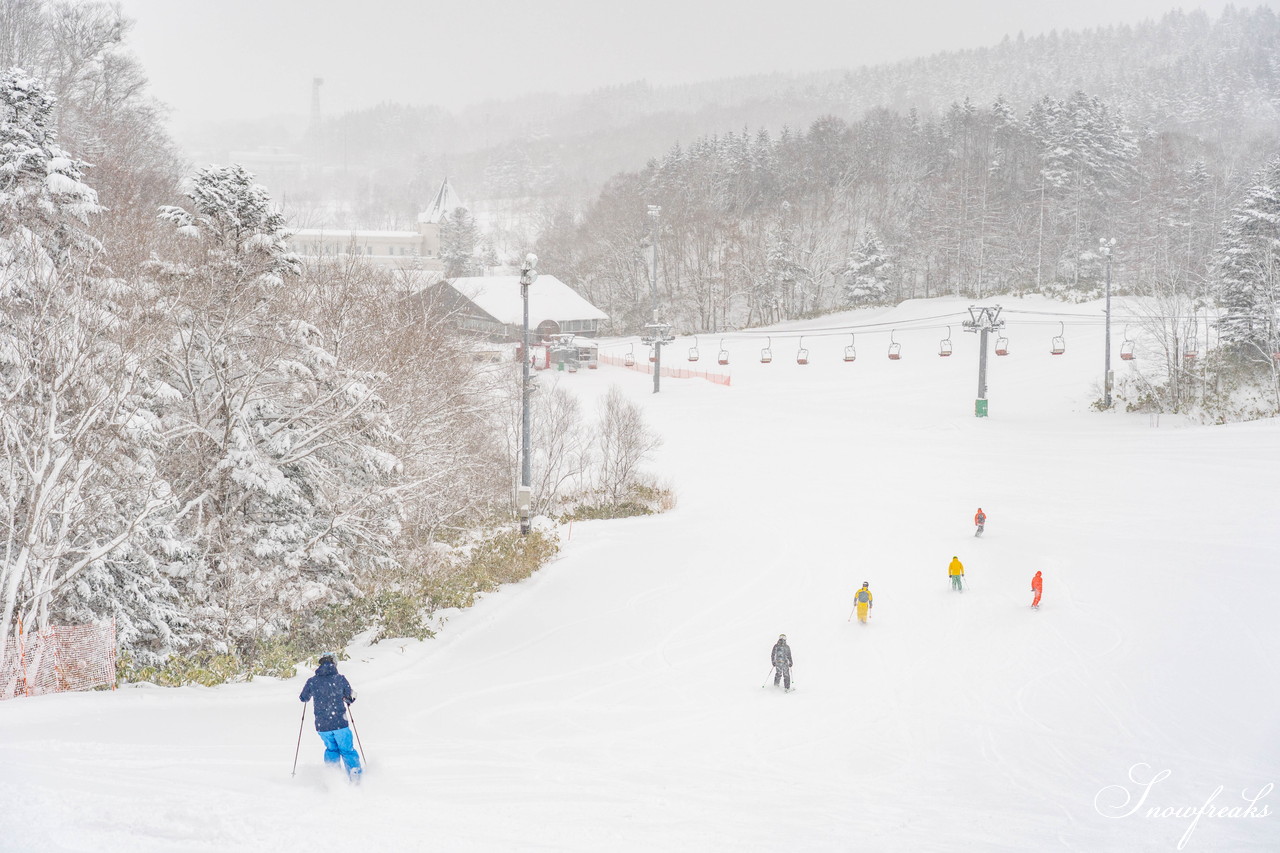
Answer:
[(331, 694)]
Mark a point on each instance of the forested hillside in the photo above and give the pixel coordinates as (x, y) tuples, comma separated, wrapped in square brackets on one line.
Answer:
[(1216, 78), (1164, 180)]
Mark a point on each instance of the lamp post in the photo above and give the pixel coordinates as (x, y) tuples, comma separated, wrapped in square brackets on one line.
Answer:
[(655, 210), (1105, 246), (524, 495)]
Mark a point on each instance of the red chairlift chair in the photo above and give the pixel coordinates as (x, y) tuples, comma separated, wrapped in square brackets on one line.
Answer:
[(1126, 347)]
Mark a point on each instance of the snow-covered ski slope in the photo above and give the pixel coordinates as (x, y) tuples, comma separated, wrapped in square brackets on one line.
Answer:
[(614, 701)]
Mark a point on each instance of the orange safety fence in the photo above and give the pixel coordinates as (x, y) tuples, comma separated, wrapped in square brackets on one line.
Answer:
[(59, 658), (673, 372)]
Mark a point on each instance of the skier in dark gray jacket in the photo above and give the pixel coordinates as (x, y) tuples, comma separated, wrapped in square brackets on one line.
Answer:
[(780, 657)]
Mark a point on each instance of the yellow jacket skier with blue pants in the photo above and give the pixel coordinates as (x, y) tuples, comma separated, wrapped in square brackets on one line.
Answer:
[(863, 601)]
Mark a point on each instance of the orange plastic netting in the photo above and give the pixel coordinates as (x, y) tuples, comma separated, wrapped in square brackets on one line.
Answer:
[(58, 658)]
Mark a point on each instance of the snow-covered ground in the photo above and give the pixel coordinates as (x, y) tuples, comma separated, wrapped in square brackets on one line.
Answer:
[(614, 701)]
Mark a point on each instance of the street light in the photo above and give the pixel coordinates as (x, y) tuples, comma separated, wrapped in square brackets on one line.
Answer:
[(1105, 246), (524, 495)]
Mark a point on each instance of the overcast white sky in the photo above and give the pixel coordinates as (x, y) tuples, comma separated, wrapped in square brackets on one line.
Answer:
[(221, 59)]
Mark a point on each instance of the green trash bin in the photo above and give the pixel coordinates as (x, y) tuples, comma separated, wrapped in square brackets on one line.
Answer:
[(980, 408), (560, 366)]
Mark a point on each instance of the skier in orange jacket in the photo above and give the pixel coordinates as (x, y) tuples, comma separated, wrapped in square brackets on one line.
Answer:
[(1037, 586), (979, 521)]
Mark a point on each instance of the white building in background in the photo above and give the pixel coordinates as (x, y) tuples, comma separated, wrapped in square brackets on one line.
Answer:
[(419, 249), (494, 307)]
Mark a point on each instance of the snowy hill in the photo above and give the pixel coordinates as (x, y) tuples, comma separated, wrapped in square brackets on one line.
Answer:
[(613, 701)]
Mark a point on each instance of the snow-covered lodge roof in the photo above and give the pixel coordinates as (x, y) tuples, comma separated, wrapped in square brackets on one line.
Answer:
[(549, 299), (446, 201)]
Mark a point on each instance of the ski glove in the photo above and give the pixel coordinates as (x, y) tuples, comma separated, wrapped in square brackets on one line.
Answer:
[(352, 698)]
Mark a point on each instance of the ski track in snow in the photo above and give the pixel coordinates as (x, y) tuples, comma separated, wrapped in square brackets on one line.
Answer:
[(613, 700)]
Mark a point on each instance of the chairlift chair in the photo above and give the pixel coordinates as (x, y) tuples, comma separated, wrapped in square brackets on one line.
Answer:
[(1126, 347), (693, 350), (851, 352), (1059, 343), (723, 357), (895, 348), (766, 354), (802, 354), (629, 357), (1002, 346), (944, 346)]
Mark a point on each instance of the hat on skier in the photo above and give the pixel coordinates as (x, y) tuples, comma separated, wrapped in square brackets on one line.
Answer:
[(782, 637), (327, 657), (866, 583)]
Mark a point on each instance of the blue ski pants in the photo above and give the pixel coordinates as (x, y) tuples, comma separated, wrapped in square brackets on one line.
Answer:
[(338, 744)]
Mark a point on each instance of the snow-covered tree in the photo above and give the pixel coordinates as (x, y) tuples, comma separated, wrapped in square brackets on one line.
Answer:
[(459, 240), (624, 441), (282, 455), (77, 457), (866, 277), (1248, 269)]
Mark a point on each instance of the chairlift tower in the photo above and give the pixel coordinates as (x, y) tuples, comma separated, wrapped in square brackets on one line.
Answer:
[(1105, 246), (660, 332), (983, 320), (656, 335)]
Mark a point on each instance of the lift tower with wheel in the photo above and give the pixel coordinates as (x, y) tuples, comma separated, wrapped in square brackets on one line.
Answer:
[(983, 320)]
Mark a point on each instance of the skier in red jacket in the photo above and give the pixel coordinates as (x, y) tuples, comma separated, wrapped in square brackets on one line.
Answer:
[(979, 520), (1037, 586)]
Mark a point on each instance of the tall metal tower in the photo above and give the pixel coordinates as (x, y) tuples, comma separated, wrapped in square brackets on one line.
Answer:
[(982, 320), (316, 83)]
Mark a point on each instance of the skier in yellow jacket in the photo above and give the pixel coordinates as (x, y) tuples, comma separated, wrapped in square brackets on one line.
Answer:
[(956, 572), (863, 600)]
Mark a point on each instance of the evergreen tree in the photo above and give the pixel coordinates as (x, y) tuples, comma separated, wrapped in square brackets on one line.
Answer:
[(1249, 267), (866, 277), (459, 240), (283, 459)]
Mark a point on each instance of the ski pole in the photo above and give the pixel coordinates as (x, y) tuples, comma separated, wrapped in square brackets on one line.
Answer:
[(850, 619), (766, 679), (298, 748), (356, 732)]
